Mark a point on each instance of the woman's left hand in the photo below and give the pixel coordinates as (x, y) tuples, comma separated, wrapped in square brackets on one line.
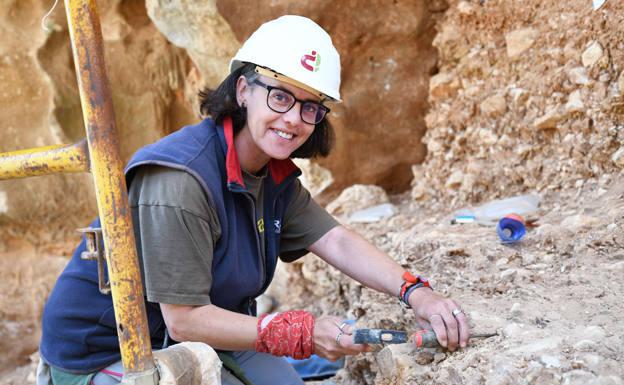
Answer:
[(443, 315)]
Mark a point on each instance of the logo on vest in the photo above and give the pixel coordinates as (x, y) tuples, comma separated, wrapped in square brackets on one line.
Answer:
[(278, 226), (311, 62), (260, 225)]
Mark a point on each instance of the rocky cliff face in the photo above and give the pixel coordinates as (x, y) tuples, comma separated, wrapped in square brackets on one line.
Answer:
[(529, 96)]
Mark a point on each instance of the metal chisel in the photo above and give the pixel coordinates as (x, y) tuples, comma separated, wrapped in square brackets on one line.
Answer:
[(422, 338)]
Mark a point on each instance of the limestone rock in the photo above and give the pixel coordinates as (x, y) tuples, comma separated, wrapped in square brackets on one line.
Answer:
[(592, 54), (454, 181), (575, 102), (621, 83), (494, 105), (443, 85), (618, 157), (466, 8), (395, 359), (357, 197), (549, 120), (578, 75), (314, 177), (197, 27), (520, 40)]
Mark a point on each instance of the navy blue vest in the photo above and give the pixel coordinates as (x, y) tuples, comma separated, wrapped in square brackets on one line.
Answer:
[(79, 332)]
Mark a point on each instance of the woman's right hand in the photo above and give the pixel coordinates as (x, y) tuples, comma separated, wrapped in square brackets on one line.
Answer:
[(328, 345)]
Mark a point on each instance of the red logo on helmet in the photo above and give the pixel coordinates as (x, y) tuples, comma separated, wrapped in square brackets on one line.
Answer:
[(311, 62)]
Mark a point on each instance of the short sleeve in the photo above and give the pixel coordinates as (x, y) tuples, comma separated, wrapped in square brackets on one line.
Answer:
[(176, 228)]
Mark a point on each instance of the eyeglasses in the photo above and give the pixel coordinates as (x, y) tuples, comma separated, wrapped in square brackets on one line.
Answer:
[(281, 100)]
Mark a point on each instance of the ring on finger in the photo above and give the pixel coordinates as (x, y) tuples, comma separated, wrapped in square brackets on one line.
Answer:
[(456, 312), (338, 336)]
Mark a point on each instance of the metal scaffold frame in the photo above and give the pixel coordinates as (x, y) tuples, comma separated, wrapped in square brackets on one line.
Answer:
[(100, 155)]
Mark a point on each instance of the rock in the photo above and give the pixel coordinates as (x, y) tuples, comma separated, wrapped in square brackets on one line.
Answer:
[(494, 105), (314, 177), (621, 83), (579, 221), (373, 214), (594, 333), (4, 207), (516, 309), (395, 359), (357, 197), (509, 274), (617, 157), (466, 8), (439, 357), (519, 41), (550, 361), (551, 343), (519, 95), (592, 54), (578, 75), (578, 377), (454, 181), (443, 85), (487, 137), (201, 30), (549, 120), (513, 330), (608, 380), (575, 102), (585, 345)]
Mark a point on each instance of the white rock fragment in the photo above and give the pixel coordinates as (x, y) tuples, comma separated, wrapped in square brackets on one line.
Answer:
[(519, 41), (575, 102), (443, 85), (4, 206), (509, 274), (516, 309), (617, 158), (550, 361), (578, 75), (621, 83), (594, 333), (592, 54), (454, 181), (466, 8), (549, 120), (578, 221), (494, 105), (373, 214), (314, 178)]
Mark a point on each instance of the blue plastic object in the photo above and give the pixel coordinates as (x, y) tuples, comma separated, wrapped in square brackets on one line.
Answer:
[(511, 228)]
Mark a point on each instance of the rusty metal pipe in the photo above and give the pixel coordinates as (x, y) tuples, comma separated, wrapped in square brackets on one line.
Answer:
[(111, 193), (44, 161)]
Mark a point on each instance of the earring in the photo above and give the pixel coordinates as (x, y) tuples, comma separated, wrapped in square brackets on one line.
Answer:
[(244, 104)]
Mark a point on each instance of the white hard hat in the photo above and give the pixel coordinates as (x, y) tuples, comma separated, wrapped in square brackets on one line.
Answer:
[(299, 50)]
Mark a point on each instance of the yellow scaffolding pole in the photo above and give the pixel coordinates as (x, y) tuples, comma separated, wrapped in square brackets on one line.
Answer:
[(111, 193), (44, 161)]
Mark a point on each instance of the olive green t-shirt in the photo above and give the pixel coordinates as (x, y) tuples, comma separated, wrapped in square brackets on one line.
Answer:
[(176, 228)]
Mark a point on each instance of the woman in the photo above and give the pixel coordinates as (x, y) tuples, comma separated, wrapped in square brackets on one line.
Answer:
[(214, 205)]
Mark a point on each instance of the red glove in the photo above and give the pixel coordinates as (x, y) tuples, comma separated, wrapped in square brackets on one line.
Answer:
[(286, 334)]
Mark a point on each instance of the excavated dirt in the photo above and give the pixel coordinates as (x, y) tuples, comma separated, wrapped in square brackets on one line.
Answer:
[(522, 97)]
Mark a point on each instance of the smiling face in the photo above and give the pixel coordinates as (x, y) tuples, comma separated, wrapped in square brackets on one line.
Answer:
[(269, 134)]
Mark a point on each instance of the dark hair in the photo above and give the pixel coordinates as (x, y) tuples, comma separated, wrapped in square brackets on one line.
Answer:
[(221, 102)]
